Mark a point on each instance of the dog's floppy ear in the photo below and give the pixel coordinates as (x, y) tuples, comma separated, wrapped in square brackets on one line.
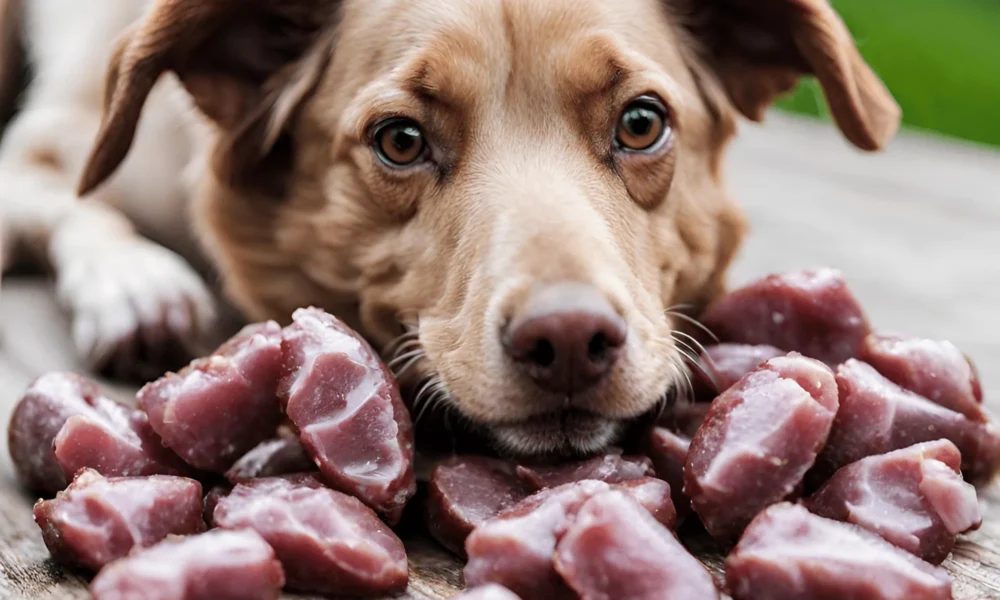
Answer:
[(760, 48), (246, 64)]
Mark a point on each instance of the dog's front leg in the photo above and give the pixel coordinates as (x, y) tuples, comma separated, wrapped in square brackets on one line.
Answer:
[(136, 307)]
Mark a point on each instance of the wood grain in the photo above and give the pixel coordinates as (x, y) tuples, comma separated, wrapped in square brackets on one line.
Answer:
[(916, 230)]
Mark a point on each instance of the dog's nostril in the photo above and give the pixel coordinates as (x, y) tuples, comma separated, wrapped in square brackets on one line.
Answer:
[(543, 354), (597, 348), (566, 337)]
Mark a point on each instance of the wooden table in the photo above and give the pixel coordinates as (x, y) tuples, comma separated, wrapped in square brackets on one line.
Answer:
[(916, 231)]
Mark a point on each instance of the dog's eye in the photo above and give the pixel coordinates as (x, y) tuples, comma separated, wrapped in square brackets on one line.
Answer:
[(399, 142), (642, 125)]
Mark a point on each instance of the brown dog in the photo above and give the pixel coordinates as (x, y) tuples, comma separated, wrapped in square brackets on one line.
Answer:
[(512, 197)]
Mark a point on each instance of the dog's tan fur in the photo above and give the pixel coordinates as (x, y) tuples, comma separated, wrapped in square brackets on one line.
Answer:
[(519, 101)]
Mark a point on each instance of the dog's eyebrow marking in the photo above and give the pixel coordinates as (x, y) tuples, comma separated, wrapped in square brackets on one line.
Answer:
[(594, 66)]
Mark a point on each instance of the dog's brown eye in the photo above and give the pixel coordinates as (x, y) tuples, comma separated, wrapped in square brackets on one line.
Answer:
[(399, 142), (642, 125)]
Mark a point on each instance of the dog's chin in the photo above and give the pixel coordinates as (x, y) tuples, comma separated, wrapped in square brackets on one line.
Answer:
[(566, 433)]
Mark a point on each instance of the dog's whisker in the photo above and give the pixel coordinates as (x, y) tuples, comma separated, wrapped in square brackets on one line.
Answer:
[(416, 359), (692, 358), (695, 322), (405, 338), (403, 358)]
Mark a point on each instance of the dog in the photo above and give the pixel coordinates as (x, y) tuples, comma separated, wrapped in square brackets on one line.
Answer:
[(520, 203)]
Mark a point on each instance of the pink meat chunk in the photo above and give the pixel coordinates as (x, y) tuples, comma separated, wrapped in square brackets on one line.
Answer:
[(811, 311), (722, 365), (348, 409), (686, 418), (96, 520), (217, 565), (877, 416), (788, 553), (614, 549), (327, 542), (463, 492), (609, 468), (915, 498), (936, 370), (279, 456), (668, 451), (490, 591), (759, 439), (515, 548), (219, 407), (65, 423)]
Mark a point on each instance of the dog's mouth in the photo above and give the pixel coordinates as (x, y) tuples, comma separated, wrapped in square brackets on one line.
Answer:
[(570, 432)]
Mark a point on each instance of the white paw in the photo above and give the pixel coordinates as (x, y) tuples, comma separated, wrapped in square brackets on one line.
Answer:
[(137, 308)]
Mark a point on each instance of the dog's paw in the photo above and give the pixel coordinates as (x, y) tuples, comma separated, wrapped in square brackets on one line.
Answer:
[(137, 309)]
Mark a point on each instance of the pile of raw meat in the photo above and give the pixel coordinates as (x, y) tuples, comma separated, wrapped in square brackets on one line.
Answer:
[(834, 461)]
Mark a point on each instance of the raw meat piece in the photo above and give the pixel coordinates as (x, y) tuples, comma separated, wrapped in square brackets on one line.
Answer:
[(877, 416), (787, 553), (102, 434), (613, 549), (465, 491), (915, 498), (218, 565), (759, 439), (281, 456), (668, 451), (935, 370), (686, 418), (96, 520), (328, 542), (652, 494), (514, 549), (610, 468), (722, 365), (490, 591), (347, 407), (219, 407), (811, 311)]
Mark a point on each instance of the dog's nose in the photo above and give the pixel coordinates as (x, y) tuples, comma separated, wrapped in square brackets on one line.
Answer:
[(566, 337)]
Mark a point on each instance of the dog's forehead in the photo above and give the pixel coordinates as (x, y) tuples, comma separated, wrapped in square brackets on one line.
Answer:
[(459, 50)]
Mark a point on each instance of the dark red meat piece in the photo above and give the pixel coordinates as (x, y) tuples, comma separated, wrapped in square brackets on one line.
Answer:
[(328, 542), (282, 455), (686, 418), (490, 591), (515, 548), (668, 451), (652, 494), (610, 468), (915, 498), (96, 520), (218, 565), (787, 553), (811, 311), (347, 407), (933, 369), (614, 549), (102, 434), (759, 439), (722, 365), (219, 407), (466, 491), (877, 416)]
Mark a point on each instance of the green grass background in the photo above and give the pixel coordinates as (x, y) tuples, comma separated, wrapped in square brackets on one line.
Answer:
[(940, 59)]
